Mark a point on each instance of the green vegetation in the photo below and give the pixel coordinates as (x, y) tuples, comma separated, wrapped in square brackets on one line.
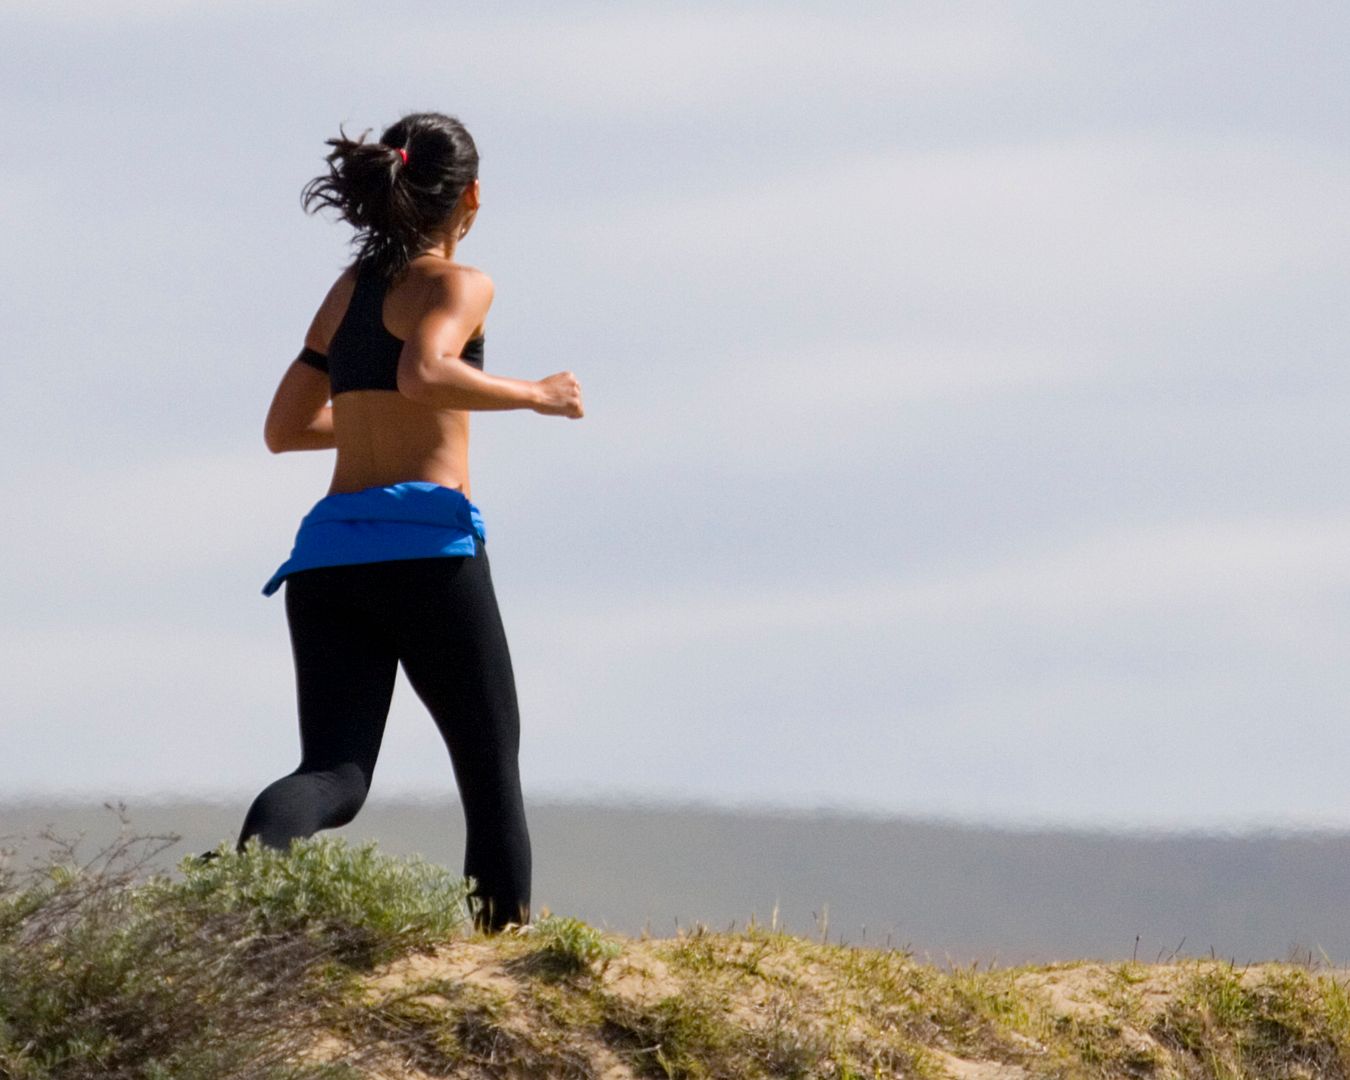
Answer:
[(569, 946), (367, 907), (330, 961), (224, 972)]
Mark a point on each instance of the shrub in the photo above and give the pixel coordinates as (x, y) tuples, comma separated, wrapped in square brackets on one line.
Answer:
[(570, 945), (225, 974), (367, 906)]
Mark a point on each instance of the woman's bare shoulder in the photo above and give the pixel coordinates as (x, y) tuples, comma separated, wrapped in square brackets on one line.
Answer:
[(331, 310), (452, 272), (445, 283)]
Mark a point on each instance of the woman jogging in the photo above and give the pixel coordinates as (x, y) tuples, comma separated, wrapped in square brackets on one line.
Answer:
[(391, 566)]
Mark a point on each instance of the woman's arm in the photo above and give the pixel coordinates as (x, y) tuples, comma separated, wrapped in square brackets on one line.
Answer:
[(429, 369), (300, 417)]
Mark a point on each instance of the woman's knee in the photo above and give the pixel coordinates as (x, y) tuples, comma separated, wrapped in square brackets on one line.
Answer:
[(341, 791), (316, 797)]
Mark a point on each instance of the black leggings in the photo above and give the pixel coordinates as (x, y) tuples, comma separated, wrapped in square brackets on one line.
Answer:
[(351, 626)]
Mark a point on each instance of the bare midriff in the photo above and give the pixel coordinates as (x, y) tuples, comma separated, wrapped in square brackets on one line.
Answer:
[(384, 438)]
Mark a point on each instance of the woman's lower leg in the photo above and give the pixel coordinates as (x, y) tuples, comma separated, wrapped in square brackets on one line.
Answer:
[(454, 650), (303, 802), (345, 666)]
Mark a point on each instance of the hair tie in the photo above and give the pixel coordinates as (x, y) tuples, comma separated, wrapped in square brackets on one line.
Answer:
[(404, 152)]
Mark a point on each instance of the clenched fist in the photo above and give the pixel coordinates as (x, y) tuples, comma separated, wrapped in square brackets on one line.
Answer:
[(559, 395)]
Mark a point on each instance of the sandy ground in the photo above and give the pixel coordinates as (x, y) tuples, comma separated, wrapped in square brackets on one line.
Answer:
[(640, 975)]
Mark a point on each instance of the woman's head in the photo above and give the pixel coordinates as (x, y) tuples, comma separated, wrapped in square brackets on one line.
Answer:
[(400, 208)]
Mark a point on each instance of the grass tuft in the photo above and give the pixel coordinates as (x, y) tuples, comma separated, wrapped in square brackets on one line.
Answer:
[(568, 946)]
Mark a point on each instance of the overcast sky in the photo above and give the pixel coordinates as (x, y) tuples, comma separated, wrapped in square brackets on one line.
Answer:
[(966, 396)]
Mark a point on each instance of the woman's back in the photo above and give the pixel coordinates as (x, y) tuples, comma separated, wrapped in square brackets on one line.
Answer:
[(382, 436)]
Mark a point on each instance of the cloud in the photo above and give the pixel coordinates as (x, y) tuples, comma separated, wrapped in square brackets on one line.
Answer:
[(81, 14), (634, 63), (119, 704), (87, 534), (1089, 227), (1218, 570), (771, 411), (936, 362)]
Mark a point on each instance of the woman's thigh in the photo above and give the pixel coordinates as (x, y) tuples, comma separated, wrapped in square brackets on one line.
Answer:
[(454, 651), (345, 666)]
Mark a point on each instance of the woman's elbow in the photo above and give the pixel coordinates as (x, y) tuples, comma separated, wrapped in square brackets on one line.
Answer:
[(416, 385), (275, 439), (411, 384)]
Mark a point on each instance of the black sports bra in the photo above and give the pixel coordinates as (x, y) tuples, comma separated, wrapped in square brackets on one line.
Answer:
[(363, 355)]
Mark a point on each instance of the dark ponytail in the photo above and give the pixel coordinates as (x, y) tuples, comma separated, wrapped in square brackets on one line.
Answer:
[(396, 208)]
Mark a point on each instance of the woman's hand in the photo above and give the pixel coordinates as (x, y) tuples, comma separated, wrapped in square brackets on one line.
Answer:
[(559, 395)]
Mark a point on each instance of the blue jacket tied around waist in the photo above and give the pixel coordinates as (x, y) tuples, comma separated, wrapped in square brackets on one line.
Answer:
[(416, 519)]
